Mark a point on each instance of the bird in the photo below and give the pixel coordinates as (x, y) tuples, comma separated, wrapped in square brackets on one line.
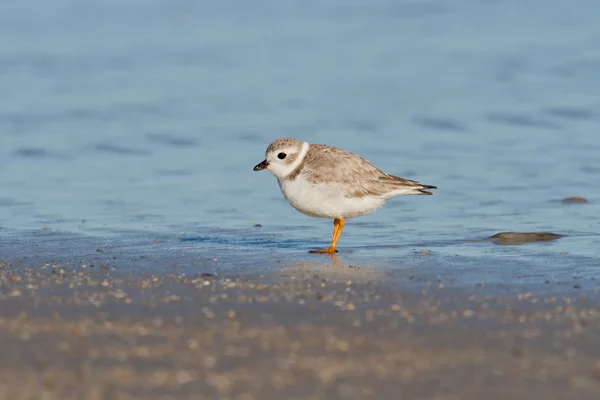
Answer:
[(324, 181)]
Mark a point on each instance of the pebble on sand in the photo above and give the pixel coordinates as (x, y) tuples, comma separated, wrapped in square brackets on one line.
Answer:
[(523, 237), (574, 200)]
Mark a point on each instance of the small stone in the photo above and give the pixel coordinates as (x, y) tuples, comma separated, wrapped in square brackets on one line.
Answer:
[(523, 237), (184, 377), (574, 200), (58, 270)]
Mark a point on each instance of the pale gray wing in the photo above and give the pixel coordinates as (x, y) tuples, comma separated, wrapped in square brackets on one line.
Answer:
[(351, 173)]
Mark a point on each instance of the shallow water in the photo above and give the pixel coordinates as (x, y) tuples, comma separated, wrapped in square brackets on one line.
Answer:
[(148, 116)]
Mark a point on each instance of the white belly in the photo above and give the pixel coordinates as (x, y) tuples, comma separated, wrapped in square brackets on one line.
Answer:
[(325, 200)]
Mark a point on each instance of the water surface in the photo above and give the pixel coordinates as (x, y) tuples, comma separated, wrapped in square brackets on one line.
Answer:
[(148, 116)]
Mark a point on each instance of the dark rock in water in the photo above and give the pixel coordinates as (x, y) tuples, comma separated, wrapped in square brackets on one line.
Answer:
[(574, 200), (523, 237)]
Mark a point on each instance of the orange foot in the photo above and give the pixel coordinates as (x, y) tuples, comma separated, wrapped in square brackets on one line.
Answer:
[(338, 226), (328, 250)]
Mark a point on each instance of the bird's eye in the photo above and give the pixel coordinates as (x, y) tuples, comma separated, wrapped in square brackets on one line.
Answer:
[(281, 156)]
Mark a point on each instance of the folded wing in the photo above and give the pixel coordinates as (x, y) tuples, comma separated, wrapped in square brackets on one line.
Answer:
[(354, 174)]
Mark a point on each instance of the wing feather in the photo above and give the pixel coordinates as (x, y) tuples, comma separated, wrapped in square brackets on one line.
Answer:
[(352, 173)]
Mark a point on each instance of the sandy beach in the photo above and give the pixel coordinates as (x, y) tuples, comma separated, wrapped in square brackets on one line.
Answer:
[(311, 330), (142, 258)]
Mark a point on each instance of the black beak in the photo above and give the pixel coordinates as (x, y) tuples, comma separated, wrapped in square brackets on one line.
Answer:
[(259, 167)]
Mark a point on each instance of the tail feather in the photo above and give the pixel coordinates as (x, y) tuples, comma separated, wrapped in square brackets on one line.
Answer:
[(417, 186), (403, 186)]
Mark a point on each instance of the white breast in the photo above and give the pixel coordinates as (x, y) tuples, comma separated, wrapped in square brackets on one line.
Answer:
[(325, 200)]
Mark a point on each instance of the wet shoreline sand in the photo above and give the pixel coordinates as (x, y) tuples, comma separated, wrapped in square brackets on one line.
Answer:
[(86, 328)]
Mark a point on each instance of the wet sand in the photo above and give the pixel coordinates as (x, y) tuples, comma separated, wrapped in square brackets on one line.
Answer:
[(80, 329)]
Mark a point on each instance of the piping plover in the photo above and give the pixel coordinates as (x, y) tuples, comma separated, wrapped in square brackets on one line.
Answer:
[(327, 182)]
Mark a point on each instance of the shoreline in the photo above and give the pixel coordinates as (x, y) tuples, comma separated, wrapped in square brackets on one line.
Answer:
[(301, 331)]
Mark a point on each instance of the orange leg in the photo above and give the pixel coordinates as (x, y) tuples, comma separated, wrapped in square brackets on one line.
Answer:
[(338, 226)]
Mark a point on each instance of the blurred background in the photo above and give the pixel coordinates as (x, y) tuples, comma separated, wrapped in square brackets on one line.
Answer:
[(150, 114)]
